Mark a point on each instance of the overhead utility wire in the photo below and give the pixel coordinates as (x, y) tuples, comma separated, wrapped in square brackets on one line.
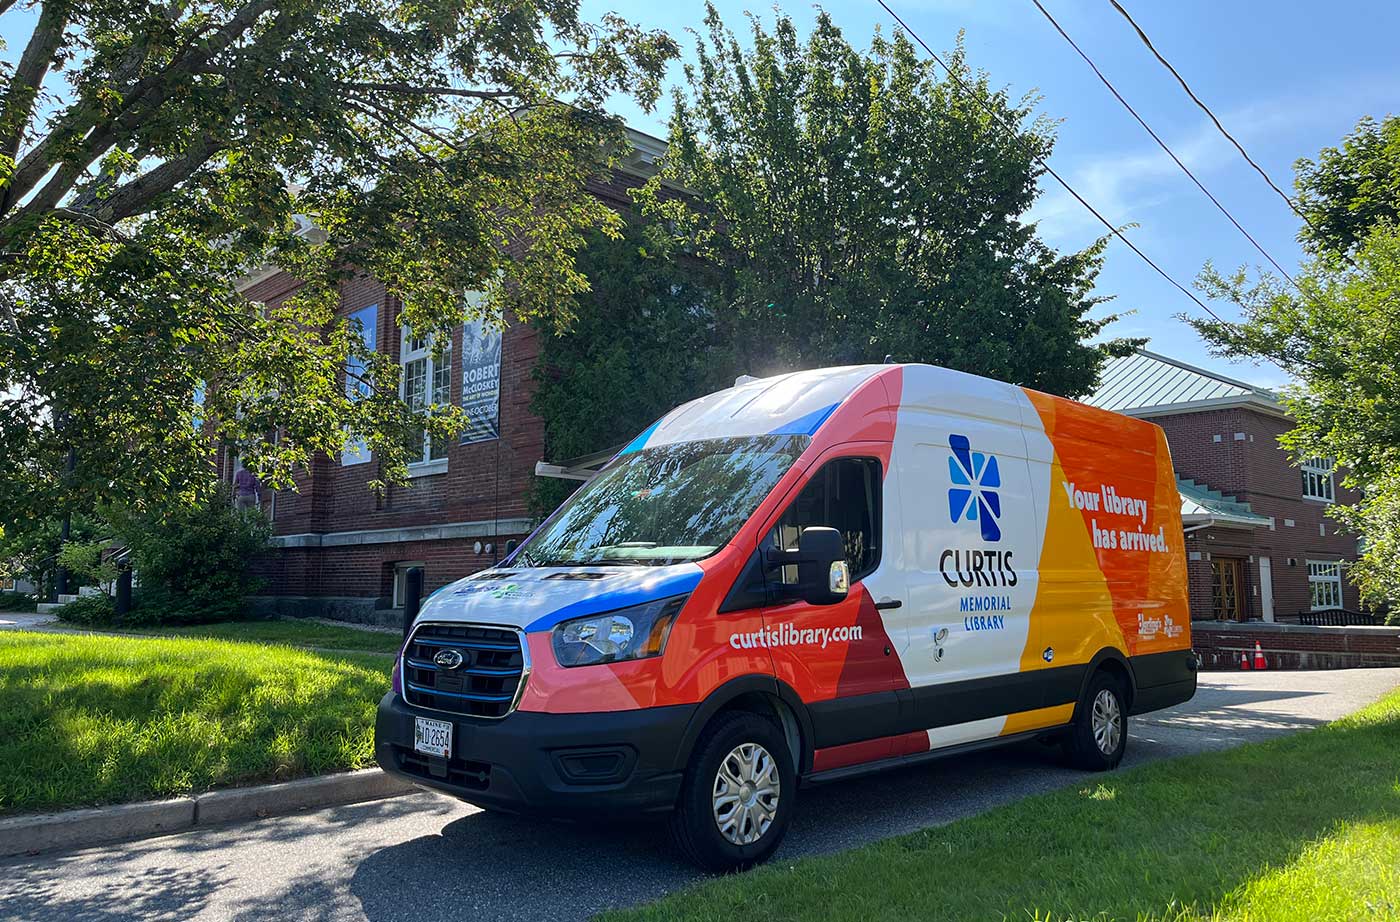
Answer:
[(1206, 109), (1162, 144), (978, 98)]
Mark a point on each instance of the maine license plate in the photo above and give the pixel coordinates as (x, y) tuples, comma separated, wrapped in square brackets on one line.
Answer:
[(433, 737)]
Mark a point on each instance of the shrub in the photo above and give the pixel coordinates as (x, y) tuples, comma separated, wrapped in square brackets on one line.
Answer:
[(193, 562), (17, 601), (84, 559), (90, 610)]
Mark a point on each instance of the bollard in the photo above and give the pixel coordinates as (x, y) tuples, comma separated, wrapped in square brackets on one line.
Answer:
[(124, 590), (412, 596)]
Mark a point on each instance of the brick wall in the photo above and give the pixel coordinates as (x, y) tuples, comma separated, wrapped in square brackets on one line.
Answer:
[(485, 482), (1236, 451), (1291, 646)]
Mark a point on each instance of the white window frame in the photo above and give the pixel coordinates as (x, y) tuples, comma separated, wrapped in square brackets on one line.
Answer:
[(436, 376), (1319, 484), (1325, 584)]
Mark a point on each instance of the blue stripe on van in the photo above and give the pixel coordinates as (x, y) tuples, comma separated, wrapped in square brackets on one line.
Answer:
[(649, 591), (640, 441), (805, 425)]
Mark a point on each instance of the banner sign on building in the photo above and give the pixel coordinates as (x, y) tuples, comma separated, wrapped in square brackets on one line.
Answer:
[(481, 377)]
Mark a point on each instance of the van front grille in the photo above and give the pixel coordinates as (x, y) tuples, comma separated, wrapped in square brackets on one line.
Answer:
[(464, 669)]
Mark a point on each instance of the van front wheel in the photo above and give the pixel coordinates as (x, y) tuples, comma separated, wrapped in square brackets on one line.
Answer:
[(1099, 736), (736, 801)]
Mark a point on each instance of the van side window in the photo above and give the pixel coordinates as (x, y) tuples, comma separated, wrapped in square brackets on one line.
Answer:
[(845, 495)]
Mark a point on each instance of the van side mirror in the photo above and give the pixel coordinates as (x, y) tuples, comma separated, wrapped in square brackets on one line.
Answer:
[(823, 577)]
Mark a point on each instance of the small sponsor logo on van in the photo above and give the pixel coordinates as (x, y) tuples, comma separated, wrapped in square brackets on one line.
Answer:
[(974, 495), (1151, 628)]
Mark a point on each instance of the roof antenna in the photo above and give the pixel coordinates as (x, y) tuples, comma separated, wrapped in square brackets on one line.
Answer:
[(889, 360)]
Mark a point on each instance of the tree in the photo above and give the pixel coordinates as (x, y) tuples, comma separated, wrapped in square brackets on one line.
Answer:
[(1338, 335), (151, 153), (651, 334), (1350, 189), (860, 206)]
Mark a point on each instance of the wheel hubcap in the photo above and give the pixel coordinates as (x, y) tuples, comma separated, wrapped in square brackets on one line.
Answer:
[(745, 798), (1107, 722)]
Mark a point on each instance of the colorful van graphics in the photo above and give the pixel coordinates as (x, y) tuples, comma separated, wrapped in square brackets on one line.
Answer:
[(807, 577)]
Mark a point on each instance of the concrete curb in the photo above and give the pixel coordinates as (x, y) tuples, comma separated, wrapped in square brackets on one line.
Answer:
[(72, 829)]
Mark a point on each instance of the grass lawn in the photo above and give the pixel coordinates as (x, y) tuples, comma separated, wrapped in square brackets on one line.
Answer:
[(290, 631), (1301, 828), (92, 719)]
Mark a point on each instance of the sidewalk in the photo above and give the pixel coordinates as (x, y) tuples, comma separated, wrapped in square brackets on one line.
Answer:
[(24, 621)]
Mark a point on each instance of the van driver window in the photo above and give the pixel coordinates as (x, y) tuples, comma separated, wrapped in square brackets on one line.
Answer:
[(844, 495)]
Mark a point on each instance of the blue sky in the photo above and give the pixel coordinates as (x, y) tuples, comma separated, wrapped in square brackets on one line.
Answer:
[(1286, 78)]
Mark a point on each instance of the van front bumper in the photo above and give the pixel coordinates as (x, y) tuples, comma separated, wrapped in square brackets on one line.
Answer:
[(548, 764)]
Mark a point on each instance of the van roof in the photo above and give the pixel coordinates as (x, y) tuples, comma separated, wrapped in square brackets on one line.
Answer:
[(796, 403)]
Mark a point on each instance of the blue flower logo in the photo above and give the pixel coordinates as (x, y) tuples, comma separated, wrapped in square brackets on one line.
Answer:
[(973, 497)]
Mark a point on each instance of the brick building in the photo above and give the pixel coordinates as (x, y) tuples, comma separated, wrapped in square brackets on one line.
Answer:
[(1259, 542), (339, 549)]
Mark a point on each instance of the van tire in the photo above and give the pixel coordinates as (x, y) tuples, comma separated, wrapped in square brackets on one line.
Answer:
[(1104, 706), (694, 825)]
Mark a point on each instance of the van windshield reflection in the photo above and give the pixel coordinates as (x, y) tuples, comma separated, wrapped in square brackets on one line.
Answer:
[(663, 505)]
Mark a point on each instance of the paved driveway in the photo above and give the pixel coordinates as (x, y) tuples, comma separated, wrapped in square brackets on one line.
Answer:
[(424, 858), (24, 621)]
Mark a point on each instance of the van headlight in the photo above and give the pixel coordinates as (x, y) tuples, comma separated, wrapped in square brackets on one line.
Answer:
[(628, 633)]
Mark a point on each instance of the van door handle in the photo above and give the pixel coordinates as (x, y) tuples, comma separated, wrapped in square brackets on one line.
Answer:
[(887, 604)]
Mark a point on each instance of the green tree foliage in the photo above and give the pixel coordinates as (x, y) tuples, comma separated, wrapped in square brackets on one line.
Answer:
[(1339, 338), (650, 335), (1350, 189), (858, 205), (151, 153)]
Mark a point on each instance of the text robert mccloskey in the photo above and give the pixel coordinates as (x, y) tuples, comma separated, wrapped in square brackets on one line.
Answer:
[(1109, 500)]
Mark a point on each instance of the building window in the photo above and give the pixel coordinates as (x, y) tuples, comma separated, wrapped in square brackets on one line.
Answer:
[(364, 321), (427, 382), (1325, 584), (1317, 479), (401, 579)]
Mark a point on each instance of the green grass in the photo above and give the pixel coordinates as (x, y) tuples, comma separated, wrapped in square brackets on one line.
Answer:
[(92, 719), (1298, 829), (292, 632)]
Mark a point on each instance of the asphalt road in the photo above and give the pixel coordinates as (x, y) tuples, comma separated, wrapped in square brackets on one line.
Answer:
[(423, 858)]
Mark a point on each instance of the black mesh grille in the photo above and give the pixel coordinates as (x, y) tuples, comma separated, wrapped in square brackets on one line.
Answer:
[(486, 682)]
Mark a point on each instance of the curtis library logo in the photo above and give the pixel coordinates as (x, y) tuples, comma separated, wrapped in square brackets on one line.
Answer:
[(974, 495)]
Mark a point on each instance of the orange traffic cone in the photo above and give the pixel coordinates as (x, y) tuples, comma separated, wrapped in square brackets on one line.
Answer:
[(1244, 660), (1259, 661)]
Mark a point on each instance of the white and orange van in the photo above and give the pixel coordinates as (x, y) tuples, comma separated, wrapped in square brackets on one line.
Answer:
[(801, 579)]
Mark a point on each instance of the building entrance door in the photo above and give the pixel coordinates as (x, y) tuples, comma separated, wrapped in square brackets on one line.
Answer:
[(1227, 574)]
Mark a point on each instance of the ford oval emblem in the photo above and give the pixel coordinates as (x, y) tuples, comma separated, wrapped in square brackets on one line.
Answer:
[(448, 659)]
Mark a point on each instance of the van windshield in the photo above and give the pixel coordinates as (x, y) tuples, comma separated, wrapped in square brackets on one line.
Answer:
[(663, 505)]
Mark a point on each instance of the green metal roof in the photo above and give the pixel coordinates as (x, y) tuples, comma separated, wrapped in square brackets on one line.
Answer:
[(1145, 383), (1200, 505)]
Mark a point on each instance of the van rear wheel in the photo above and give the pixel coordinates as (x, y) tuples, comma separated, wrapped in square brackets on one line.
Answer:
[(736, 801), (1099, 736)]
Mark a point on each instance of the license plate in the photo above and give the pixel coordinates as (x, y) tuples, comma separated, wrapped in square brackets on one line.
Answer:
[(433, 737)]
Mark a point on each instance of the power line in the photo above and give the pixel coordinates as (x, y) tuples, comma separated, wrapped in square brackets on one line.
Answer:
[(1206, 109), (1015, 132), (1162, 144)]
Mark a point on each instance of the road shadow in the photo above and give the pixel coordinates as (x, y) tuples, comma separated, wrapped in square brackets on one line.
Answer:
[(502, 867)]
